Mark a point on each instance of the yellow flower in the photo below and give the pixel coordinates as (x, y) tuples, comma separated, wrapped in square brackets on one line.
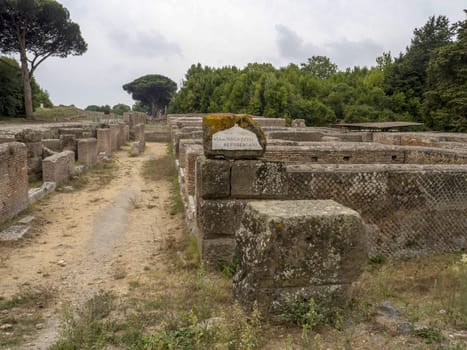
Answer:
[(464, 259)]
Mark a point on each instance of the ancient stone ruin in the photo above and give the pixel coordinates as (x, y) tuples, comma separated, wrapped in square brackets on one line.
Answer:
[(408, 189), (301, 208), (52, 153), (291, 251)]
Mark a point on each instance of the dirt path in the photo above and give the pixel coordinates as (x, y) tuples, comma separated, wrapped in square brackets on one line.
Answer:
[(91, 240)]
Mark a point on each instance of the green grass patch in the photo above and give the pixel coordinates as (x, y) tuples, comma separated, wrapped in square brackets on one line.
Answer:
[(176, 202), (59, 113)]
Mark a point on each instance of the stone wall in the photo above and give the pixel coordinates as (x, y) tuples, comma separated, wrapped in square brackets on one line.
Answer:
[(13, 179), (53, 144), (114, 136), (87, 151), (32, 140), (157, 136), (59, 167), (192, 153), (104, 144), (134, 118), (362, 153), (418, 139), (411, 209)]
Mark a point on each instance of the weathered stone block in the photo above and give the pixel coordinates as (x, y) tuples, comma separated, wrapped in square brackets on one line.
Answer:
[(53, 144), (87, 151), (213, 178), (59, 167), (298, 123), (297, 250), (258, 179), (104, 144), (69, 142), (217, 251), (192, 154), (114, 136), (232, 136), (219, 218)]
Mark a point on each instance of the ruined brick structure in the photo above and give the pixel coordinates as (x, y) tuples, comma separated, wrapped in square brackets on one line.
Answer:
[(13, 179), (51, 150), (410, 188)]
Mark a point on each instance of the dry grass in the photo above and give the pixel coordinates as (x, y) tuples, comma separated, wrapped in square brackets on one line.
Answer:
[(20, 315), (179, 306)]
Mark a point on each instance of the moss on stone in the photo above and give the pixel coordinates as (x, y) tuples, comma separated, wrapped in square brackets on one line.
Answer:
[(223, 121)]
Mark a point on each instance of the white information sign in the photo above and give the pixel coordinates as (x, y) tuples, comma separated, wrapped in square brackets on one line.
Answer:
[(235, 138)]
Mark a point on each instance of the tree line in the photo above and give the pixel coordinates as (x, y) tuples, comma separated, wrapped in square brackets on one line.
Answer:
[(427, 83), (12, 92), (35, 30)]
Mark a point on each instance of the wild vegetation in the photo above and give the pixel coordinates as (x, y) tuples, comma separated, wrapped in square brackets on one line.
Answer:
[(426, 83), (37, 30)]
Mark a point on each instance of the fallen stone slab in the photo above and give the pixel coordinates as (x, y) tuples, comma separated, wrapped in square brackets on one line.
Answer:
[(13, 233), (36, 194), (26, 220)]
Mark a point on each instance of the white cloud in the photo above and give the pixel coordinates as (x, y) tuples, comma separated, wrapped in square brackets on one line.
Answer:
[(130, 39)]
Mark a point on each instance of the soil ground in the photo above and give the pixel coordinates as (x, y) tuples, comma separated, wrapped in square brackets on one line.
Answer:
[(116, 238), (90, 240)]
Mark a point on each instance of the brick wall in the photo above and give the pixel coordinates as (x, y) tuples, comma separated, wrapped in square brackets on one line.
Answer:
[(87, 151), (363, 153), (418, 139), (157, 136), (192, 153), (13, 179), (59, 167), (53, 144), (410, 209), (32, 140)]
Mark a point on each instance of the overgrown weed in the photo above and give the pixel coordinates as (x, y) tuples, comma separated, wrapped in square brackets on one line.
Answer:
[(20, 315)]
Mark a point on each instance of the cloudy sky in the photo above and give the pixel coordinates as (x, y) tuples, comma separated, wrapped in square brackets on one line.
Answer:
[(128, 39)]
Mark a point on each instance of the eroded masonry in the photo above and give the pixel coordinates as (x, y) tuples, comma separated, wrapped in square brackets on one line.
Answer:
[(301, 209), (52, 153), (410, 188)]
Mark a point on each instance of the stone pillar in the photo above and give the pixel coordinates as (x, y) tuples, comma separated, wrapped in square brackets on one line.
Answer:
[(13, 179), (294, 251), (114, 136), (87, 151), (126, 134), (103, 141)]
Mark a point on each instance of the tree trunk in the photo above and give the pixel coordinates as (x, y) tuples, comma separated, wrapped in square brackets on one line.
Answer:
[(153, 109), (26, 81)]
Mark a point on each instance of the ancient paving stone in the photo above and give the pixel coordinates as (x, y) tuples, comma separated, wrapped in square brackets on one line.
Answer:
[(232, 136), (291, 251)]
